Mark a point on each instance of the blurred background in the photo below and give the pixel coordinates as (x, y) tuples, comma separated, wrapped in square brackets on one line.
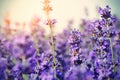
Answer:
[(22, 11)]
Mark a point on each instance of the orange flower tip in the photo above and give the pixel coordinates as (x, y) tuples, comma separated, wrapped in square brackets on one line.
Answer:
[(7, 21), (47, 8)]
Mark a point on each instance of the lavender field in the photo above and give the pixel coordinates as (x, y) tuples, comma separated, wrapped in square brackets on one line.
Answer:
[(89, 52)]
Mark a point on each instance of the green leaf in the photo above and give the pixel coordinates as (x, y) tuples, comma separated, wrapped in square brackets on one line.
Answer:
[(25, 77)]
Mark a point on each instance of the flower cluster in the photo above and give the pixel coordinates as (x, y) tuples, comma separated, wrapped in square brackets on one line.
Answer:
[(102, 61), (91, 53)]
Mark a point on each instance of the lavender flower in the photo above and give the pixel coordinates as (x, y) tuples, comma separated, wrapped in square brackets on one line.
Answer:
[(88, 54)]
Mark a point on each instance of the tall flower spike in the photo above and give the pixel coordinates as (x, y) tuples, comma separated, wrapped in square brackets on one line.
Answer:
[(47, 8)]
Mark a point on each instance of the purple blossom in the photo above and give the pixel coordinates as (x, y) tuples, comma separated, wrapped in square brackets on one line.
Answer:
[(88, 54)]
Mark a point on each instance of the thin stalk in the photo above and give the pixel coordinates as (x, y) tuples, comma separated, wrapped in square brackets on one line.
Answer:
[(53, 50), (52, 46), (37, 50), (111, 49), (36, 42)]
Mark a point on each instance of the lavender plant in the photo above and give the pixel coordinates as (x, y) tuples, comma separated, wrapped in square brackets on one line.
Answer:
[(101, 60), (88, 54)]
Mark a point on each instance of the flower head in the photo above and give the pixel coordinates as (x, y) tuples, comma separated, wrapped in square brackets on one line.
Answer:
[(105, 13)]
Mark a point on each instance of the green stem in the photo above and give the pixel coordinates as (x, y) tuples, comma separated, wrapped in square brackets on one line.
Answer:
[(36, 42), (53, 50), (37, 50), (52, 47), (111, 49), (112, 54)]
